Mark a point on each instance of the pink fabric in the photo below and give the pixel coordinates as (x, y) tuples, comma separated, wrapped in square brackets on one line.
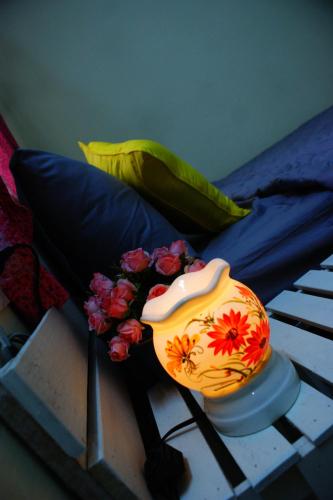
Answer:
[(16, 280), (16, 226), (7, 147)]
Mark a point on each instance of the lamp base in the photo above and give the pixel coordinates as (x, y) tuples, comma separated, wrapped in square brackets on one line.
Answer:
[(262, 401)]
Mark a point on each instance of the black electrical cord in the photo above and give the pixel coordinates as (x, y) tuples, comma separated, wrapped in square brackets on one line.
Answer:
[(177, 427)]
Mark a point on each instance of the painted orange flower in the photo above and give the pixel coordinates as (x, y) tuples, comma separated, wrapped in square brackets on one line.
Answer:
[(245, 291), (180, 351), (229, 332), (252, 299), (257, 343)]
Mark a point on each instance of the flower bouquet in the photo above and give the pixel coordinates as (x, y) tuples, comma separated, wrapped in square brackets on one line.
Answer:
[(115, 306)]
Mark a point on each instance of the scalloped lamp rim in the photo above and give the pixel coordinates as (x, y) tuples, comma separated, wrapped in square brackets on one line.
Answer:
[(185, 287)]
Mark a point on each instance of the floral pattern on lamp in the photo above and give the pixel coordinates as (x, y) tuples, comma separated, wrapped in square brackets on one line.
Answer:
[(221, 349), (211, 333)]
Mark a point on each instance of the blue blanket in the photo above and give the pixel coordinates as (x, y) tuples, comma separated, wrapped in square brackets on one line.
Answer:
[(290, 229)]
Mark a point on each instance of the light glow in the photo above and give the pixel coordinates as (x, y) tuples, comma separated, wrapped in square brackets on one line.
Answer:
[(212, 337)]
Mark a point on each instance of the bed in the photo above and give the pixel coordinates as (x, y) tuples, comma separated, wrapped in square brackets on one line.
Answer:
[(289, 188)]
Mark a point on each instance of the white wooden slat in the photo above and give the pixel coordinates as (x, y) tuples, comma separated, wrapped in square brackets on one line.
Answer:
[(304, 446), (316, 311), (48, 377), (262, 456), (305, 348), (204, 480), (312, 414), (115, 455), (244, 491), (328, 263), (316, 281)]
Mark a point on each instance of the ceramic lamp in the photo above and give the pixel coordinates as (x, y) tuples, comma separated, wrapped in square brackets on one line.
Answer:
[(211, 334)]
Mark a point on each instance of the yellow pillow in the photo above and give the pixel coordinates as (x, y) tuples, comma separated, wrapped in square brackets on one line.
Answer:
[(177, 190)]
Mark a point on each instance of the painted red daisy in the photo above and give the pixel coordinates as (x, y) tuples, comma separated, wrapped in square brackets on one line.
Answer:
[(257, 343), (229, 332)]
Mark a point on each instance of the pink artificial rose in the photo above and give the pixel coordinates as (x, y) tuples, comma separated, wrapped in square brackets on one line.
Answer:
[(158, 252), (106, 304), (118, 308), (130, 330), (135, 261), (97, 321), (92, 305), (178, 247), (101, 285), (118, 349), (156, 291), (124, 290), (168, 264), (195, 266)]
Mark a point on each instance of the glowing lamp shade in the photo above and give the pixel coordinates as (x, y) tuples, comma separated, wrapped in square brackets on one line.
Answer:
[(211, 334)]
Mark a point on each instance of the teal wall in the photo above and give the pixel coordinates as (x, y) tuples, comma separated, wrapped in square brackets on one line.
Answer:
[(217, 81)]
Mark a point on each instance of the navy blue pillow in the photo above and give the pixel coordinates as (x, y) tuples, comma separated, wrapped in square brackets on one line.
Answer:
[(90, 216)]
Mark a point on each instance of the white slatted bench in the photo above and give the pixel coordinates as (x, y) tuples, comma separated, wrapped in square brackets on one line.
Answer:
[(95, 448)]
